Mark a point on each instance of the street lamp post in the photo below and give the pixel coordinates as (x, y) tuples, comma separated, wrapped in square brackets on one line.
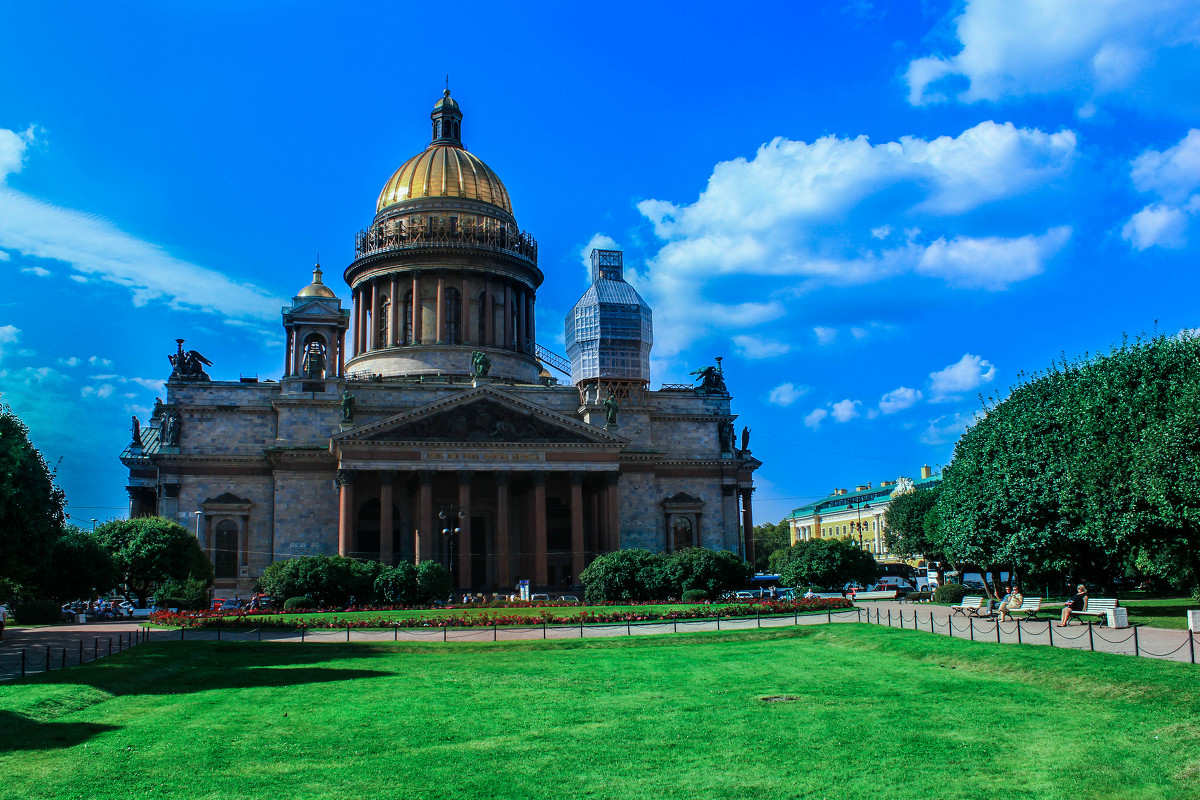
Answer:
[(449, 518), (93, 524), (859, 524), (197, 513)]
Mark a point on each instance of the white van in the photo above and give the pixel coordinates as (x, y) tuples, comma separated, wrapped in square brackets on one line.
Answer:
[(896, 579)]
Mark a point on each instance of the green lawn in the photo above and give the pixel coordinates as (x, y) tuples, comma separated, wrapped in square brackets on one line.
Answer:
[(870, 712), (1161, 612)]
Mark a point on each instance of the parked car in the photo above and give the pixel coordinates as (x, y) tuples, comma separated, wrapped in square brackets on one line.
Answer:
[(539, 597), (890, 587), (568, 598), (975, 586)]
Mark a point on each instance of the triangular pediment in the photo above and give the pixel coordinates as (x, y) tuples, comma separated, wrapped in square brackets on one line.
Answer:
[(482, 415), (322, 306)]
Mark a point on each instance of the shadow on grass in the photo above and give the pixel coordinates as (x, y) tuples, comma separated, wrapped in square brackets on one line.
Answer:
[(21, 733)]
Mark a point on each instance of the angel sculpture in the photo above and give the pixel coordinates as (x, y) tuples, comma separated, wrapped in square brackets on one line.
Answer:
[(188, 366)]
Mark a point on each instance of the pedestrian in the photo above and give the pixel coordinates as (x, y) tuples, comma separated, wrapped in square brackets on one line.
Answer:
[(1076, 603), (3, 619)]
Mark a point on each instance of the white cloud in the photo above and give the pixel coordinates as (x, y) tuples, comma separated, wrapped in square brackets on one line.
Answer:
[(69, 362), (825, 335), (97, 361), (899, 399), (8, 335), (38, 271), (785, 394), (946, 429), (1174, 176), (858, 333), (4, 256), (103, 391), (756, 347), (991, 262), (1157, 225), (1088, 49), (153, 384), (969, 372), (814, 417), (806, 214), (97, 249), (845, 410)]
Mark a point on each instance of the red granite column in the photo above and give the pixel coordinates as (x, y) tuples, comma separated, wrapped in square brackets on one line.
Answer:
[(394, 319), (503, 558), (576, 525), (345, 480), (748, 524), (506, 340), (357, 323), (341, 354), (613, 513), (489, 314), (440, 337), (464, 326), (416, 308), (387, 542), (540, 572), (464, 537), (425, 517)]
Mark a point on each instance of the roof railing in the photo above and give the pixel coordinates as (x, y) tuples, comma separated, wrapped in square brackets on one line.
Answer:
[(421, 232)]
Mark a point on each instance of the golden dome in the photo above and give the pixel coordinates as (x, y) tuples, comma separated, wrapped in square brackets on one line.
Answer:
[(445, 168), (444, 171), (316, 288)]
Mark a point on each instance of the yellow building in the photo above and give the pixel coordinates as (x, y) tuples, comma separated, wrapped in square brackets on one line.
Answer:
[(858, 514)]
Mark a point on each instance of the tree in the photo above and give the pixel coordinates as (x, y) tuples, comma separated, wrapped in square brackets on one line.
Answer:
[(624, 575), (826, 564), (150, 550), (328, 580), (398, 585), (768, 538), (1084, 468), (913, 526), (79, 567), (714, 571), (433, 582), (31, 505)]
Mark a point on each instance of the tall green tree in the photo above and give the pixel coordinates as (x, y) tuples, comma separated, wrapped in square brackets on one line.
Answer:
[(150, 550), (79, 568), (31, 505), (714, 571), (1084, 468), (768, 538), (826, 564)]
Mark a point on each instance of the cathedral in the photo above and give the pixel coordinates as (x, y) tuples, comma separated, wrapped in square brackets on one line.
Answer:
[(425, 422)]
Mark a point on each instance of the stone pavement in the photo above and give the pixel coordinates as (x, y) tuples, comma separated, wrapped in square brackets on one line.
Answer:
[(95, 637)]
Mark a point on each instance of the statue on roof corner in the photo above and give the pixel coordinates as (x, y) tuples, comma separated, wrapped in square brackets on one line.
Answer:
[(610, 410), (712, 380), (188, 366), (347, 406)]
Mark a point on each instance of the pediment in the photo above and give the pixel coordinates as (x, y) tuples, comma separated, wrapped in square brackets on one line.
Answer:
[(682, 498), (324, 306), (481, 415), (227, 499)]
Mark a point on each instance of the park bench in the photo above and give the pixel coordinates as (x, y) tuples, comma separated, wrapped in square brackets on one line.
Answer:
[(1030, 605), (1105, 610), (889, 595), (917, 597), (971, 606), (828, 595)]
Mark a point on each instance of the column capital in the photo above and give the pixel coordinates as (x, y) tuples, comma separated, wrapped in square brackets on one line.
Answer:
[(464, 477), (577, 477), (425, 477)]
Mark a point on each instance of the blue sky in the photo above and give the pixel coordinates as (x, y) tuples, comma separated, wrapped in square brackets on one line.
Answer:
[(875, 212)]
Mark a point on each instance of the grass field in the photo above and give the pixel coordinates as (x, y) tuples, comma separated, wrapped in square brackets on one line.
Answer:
[(870, 712)]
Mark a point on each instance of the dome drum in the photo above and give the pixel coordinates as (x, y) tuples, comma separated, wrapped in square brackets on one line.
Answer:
[(438, 360), (416, 231)]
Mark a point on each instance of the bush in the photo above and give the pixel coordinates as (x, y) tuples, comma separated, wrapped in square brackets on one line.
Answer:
[(712, 571), (695, 596), (37, 612), (190, 594), (330, 580), (433, 583), (623, 576), (950, 593), (399, 585), (299, 604), (829, 563)]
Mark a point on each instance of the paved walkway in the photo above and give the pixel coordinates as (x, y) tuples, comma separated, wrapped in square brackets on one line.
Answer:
[(94, 639)]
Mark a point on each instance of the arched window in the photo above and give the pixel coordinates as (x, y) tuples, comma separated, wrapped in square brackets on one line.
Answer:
[(381, 321), (313, 357), (453, 315), (681, 533), (225, 550)]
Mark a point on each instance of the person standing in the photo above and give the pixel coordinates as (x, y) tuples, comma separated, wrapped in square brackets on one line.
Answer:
[(3, 619)]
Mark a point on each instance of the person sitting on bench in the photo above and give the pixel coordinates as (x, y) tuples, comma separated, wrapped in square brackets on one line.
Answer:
[(1076, 603), (1013, 600)]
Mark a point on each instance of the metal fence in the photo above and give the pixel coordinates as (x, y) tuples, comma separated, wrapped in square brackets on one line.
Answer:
[(1163, 644)]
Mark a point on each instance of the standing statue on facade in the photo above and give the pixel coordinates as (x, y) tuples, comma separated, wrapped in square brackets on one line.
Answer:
[(745, 438), (712, 380), (480, 364), (725, 434), (137, 433), (347, 406), (610, 410), (173, 423), (188, 366), (158, 409)]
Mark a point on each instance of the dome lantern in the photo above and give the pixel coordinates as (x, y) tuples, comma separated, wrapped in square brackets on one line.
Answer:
[(447, 121)]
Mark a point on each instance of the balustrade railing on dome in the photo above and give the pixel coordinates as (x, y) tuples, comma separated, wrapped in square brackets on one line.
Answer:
[(437, 232)]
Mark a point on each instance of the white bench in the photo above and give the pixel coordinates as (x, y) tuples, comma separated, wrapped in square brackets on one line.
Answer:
[(1105, 610), (971, 606), (1030, 605), (828, 595), (889, 595)]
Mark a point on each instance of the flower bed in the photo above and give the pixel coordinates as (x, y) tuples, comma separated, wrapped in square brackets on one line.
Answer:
[(278, 620)]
